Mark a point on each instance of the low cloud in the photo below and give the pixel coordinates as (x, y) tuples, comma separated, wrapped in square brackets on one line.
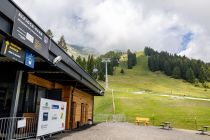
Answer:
[(127, 24)]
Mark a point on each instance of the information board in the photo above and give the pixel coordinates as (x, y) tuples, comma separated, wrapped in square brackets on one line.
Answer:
[(13, 51), (28, 33), (52, 117)]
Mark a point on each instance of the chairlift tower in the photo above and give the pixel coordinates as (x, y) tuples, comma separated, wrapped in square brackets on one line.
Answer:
[(106, 60)]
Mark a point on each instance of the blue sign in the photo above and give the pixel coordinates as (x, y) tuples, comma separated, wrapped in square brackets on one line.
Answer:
[(30, 59), (55, 106)]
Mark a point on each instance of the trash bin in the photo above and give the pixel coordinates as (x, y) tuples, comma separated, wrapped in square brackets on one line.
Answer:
[(90, 122)]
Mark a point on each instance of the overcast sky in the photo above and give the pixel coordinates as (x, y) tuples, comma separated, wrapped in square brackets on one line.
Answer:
[(177, 26)]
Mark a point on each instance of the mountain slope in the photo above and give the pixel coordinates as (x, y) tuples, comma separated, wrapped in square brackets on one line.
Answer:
[(140, 92), (142, 79)]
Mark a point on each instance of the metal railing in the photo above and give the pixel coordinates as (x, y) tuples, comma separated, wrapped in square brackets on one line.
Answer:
[(18, 127), (109, 118)]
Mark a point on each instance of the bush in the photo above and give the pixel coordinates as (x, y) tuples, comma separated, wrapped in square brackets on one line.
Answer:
[(122, 71), (205, 85)]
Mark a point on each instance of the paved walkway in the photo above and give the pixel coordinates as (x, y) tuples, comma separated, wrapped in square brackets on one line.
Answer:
[(128, 131)]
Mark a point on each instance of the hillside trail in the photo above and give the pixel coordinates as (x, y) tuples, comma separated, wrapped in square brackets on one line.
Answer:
[(167, 95), (173, 96)]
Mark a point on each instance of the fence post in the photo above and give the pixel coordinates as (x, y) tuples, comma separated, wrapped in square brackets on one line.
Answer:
[(196, 125), (153, 119)]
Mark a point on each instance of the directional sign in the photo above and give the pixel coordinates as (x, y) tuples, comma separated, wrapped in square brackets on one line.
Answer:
[(31, 35), (13, 51)]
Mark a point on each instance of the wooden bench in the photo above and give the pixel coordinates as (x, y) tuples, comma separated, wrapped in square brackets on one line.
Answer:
[(139, 120)]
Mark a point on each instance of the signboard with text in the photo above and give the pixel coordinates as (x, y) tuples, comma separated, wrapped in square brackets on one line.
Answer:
[(52, 117), (13, 51), (28, 33)]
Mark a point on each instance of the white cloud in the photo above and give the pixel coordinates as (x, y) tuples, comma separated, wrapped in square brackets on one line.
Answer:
[(123, 24)]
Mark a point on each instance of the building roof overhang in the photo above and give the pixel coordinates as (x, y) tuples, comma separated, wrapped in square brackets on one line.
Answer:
[(66, 72)]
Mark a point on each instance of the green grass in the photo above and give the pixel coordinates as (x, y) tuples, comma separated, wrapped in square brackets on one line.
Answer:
[(180, 112), (183, 113), (141, 79)]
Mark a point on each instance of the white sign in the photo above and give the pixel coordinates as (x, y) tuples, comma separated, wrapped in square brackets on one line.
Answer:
[(21, 123), (52, 117)]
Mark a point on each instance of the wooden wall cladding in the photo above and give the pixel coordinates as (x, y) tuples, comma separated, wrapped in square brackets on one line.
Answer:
[(80, 98), (32, 79)]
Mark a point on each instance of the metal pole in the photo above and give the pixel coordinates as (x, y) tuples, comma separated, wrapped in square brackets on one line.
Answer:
[(106, 60), (14, 107), (106, 76)]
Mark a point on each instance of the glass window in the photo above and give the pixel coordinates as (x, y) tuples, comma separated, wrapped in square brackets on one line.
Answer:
[(40, 94), (30, 99)]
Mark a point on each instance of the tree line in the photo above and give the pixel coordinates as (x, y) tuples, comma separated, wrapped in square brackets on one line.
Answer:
[(179, 67), (96, 68)]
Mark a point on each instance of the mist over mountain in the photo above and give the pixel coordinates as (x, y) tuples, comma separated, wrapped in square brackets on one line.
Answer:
[(83, 51)]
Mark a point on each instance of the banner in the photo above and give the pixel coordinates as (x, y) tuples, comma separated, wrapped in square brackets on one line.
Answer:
[(52, 117)]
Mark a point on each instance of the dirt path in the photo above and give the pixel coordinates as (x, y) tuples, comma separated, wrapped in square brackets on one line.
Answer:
[(128, 131), (173, 96)]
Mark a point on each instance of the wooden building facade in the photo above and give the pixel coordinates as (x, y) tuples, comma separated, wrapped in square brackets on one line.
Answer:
[(33, 66)]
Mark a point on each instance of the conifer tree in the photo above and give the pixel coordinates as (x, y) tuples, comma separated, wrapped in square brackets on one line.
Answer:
[(49, 33), (190, 75), (176, 73), (62, 43)]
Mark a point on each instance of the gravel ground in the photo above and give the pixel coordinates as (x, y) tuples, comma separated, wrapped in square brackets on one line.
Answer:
[(128, 131)]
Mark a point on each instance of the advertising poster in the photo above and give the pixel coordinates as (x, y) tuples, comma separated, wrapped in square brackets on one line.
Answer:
[(52, 117)]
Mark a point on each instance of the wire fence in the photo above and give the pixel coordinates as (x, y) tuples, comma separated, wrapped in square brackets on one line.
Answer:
[(193, 122), (17, 127), (109, 118)]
